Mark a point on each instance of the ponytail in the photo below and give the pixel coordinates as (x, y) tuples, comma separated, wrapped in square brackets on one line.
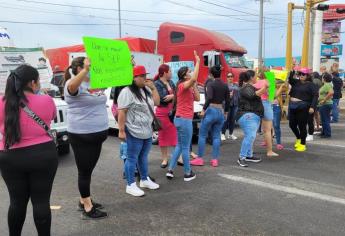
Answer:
[(16, 85), (77, 62), (67, 75), (156, 77)]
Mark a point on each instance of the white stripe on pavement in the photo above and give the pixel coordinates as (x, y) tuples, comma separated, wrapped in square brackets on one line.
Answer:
[(285, 189)]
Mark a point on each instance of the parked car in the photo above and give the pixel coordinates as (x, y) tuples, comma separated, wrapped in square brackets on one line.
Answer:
[(60, 125)]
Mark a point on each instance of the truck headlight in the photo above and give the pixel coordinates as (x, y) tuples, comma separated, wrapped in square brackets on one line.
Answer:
[(65, 137)]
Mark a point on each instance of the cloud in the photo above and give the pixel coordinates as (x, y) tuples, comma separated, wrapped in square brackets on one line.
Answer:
[(243, 31)]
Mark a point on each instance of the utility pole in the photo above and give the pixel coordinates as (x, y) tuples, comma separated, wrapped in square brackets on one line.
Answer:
[(305, 49), (261, 33), (288, 63), (119, 9)]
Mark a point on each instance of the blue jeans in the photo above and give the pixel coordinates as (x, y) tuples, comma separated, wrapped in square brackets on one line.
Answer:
[(137, 152), (249, 123), (184, 138), (276, 122), (213, 121), (335, 110), (325, 114), (230, 120)]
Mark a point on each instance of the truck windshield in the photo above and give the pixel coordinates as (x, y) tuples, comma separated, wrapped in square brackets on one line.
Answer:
[(235, 60)]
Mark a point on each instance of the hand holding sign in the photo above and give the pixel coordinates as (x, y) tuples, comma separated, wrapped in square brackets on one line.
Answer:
[(87, 64), (111, 62)]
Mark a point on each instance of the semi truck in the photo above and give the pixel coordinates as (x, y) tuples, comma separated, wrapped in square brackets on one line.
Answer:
[(177, 42)]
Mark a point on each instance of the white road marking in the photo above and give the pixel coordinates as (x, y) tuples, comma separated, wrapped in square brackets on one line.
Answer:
[(291, 178), (285, 189)]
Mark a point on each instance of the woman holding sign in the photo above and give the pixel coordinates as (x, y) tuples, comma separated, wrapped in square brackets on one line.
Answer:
[(303, 101), (87, 126), (267, 120), (135, 114)]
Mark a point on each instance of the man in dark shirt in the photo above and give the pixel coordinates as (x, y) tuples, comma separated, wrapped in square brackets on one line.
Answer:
[(217, 92), (337, 86)]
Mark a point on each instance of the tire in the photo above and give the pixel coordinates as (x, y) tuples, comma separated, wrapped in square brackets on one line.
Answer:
[(63, 149)]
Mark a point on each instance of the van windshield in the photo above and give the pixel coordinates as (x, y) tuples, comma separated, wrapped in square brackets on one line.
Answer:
[(235, 60)]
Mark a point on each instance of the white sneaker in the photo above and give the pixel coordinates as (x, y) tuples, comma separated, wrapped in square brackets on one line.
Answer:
[(134, 190), (148, 184), (222, 137), (233, 137), (227, 136), (310, 138)]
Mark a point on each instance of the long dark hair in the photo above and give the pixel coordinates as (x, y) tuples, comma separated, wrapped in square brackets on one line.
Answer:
[(136, 91), (244, 78), (77, 62), (17, 84)]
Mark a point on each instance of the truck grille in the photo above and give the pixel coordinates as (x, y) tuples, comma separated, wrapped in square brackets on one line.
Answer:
[(61, 116)]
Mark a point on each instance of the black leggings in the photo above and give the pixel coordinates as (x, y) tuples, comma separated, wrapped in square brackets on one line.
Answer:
[(311, 124), (87, 149), (29, 174), (298, 119)]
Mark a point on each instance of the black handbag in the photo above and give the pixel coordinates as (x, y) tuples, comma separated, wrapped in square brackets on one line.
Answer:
[(40, 122), (172, 113), (156, 123)]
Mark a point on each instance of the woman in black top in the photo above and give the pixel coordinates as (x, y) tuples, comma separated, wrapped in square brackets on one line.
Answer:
[(250, 112), (303, 101)]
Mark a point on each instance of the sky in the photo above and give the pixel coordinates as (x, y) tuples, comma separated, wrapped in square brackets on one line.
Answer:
[(141, 18)]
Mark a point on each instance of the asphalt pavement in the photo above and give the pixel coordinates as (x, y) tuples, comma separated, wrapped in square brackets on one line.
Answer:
[(294, 194)]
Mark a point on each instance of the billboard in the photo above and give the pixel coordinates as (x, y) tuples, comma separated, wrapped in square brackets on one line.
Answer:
[(329, 62), (331, 50), (11, 58), (331, 32)]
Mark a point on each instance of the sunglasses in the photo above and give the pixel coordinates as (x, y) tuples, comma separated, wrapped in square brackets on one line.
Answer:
[(301, 74)]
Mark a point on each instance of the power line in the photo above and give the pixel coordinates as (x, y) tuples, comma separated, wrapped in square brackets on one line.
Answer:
[(236, 10), (212, 13), (62, 24), (106, 9), (136, 11)]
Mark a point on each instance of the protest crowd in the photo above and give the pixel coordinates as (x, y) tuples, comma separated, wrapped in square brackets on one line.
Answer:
[(28, 159)]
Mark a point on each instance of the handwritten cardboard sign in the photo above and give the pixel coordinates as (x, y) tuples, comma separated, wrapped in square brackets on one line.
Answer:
[(271, 85), (110, 62), (280, 74)]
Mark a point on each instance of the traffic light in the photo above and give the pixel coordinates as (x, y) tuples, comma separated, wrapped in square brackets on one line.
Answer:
[(340, 10), (322, 7)]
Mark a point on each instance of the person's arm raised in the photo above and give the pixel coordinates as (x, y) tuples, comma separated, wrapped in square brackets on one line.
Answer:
[(190, 83), (74, 83)]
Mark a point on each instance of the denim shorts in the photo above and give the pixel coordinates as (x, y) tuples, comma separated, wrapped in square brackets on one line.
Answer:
[(268, 110)]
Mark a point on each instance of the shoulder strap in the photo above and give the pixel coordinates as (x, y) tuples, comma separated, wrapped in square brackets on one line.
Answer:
[(37, 119), (148, 104)]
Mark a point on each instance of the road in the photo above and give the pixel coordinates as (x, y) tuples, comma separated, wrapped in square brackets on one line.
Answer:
[(294, 194)]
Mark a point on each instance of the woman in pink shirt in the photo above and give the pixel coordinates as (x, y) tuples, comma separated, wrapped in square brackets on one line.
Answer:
[(267, 120), (28, 157)]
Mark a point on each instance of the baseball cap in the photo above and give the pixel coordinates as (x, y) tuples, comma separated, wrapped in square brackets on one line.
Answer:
[(304, 70), (139, 70)]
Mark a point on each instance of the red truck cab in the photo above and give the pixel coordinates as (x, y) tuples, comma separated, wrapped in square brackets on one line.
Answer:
[(176, 42)]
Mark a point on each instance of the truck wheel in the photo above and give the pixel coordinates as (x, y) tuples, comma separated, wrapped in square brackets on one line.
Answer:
[(63, 149)]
